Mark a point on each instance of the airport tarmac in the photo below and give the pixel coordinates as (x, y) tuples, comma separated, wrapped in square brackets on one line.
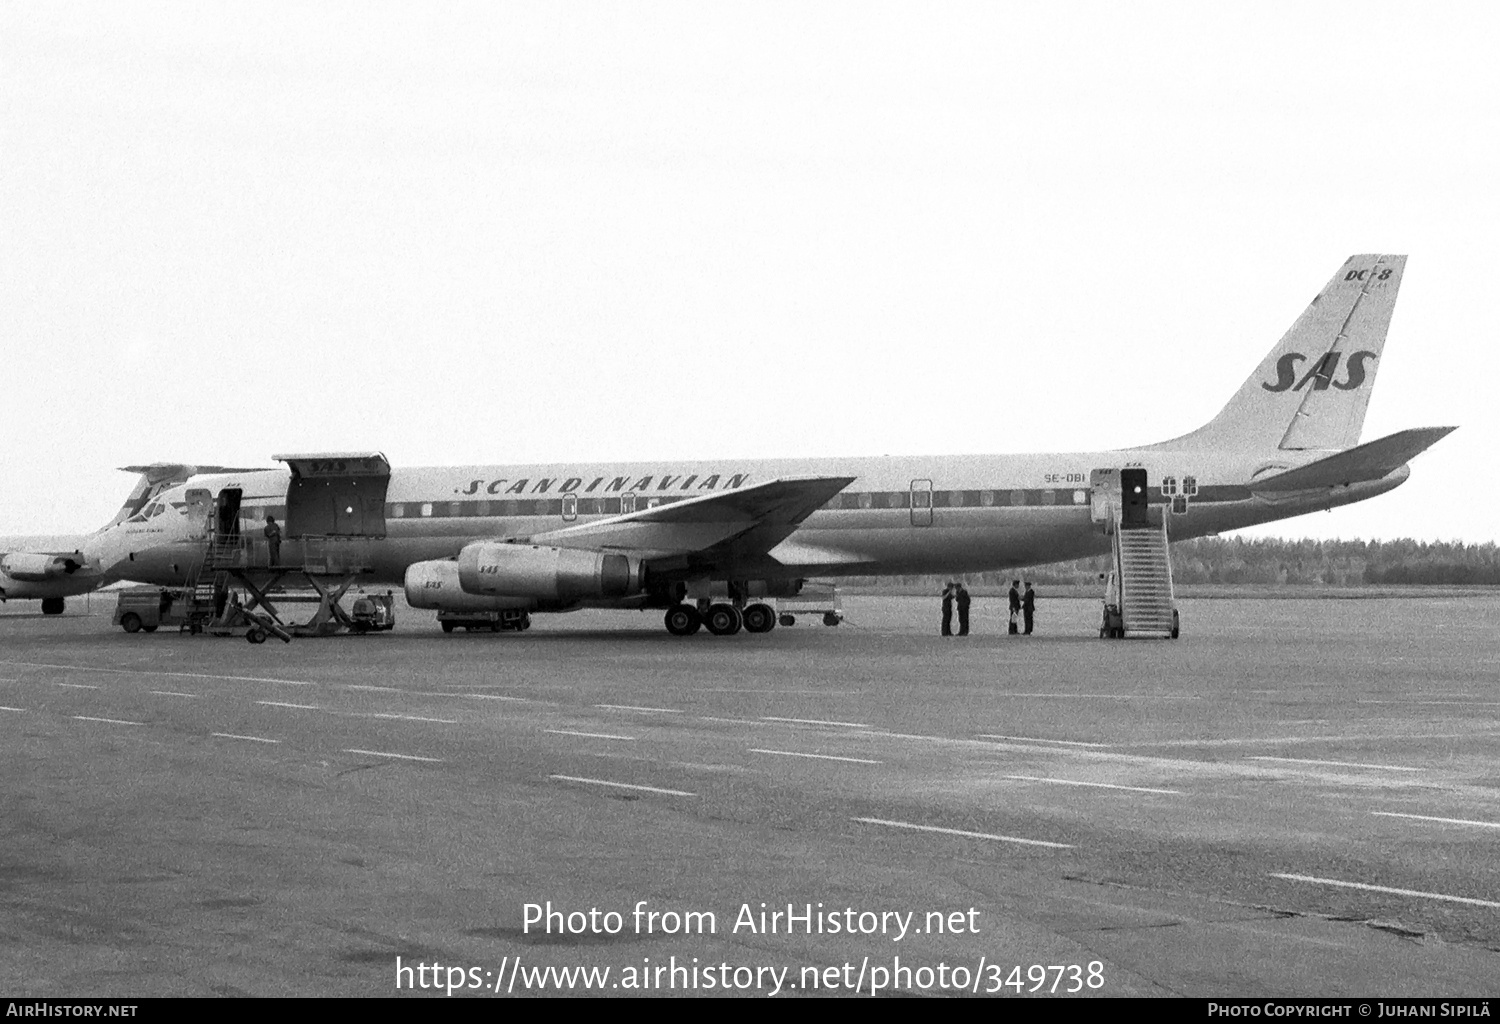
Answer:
[(1296, 798)]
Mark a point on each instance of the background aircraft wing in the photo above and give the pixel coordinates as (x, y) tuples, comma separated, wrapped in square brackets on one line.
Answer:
[(745, 522), (41, 566), (1365, 462)]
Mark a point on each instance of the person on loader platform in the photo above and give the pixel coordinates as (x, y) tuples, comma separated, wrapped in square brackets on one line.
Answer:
[(273, 540)]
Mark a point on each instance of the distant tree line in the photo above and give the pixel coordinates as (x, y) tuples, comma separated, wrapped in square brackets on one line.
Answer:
[(1279, 562)]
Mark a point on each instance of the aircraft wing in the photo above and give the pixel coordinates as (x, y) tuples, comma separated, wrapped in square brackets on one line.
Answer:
[(1364, 462), (745, 522)]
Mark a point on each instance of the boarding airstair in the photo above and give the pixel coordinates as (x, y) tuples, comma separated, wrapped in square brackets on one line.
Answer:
[(204, 583), (1143, 567), (1139, 597), (207, 579), (213, 601)]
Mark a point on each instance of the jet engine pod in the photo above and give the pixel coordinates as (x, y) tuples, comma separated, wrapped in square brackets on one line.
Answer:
[(35, 568), (546, 573), (435, 585)]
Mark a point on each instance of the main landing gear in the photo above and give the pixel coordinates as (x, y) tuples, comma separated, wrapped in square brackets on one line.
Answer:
[(721, 619), (683, 620)]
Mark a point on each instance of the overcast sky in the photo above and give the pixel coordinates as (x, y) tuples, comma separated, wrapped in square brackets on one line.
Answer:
[(589, 231)]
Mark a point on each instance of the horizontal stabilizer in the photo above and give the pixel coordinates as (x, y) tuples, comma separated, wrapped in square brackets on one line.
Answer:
[(178, 472), (1370, 461)]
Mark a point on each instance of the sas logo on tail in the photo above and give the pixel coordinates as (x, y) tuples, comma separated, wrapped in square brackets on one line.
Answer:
[(1321, 373)]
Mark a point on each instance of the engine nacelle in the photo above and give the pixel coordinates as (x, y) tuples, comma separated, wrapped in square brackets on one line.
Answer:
[(36, 568), (435, 585), (546, 573)]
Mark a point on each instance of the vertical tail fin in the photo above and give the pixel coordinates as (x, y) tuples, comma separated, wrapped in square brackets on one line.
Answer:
[(150, 484), (1312, 389)]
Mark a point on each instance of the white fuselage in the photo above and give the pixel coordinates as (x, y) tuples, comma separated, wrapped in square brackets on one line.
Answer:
[(985, 511)]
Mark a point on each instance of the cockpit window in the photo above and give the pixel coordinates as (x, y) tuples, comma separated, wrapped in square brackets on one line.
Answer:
[(151, 511)]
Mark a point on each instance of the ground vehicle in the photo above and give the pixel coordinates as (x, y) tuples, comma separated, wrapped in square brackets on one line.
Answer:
[(372, 613), (815, 598), (501, 621), (143, 609)]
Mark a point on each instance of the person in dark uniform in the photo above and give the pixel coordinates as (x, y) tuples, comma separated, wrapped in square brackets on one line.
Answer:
[(273, 540), (961, 596), (1028, 606), (1015, 605), (948, 610)]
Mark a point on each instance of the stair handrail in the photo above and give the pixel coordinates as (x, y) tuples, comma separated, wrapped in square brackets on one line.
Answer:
[(1166, 551), (1118, 518)]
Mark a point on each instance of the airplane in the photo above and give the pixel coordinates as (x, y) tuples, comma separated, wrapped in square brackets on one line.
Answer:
[(705, 541), (69, 566)]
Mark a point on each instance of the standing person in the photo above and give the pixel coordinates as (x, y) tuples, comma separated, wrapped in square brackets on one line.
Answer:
[(1015, 605), (273, 539), (948, 610), (961, 595), (1028, 606)]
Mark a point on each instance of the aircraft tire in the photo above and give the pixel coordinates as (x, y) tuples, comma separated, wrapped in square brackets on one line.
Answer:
[(724, 620), (759, 618), (53, 605), (130, 622), (683, 620)]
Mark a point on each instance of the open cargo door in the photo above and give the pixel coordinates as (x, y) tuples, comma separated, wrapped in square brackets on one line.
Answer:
[(337, 494)]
